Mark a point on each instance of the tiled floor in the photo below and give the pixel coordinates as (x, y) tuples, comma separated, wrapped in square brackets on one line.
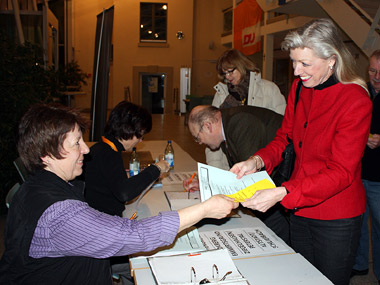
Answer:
[(172, 127)]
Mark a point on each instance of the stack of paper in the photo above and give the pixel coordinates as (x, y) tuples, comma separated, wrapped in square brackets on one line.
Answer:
[(216, 266)]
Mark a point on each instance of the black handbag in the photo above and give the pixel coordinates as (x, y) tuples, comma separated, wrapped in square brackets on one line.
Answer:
[(284, 170)]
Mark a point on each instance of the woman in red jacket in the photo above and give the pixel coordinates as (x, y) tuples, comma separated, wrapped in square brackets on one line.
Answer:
[(329, 130)]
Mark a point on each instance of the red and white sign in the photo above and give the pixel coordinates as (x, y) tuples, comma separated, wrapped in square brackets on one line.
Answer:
[(247, 17)]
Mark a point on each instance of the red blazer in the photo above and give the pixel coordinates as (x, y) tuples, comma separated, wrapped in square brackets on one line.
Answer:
[(329, 130)]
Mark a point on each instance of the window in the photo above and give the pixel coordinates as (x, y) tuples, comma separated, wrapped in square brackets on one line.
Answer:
[(153, 21), (227, 21)]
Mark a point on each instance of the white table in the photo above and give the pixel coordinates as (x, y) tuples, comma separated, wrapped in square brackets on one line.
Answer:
[(285, 268)]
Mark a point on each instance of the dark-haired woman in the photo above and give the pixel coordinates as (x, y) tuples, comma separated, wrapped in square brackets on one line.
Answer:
[(107, 186)]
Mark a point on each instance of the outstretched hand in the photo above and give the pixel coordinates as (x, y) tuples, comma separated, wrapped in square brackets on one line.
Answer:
[(219, 206)]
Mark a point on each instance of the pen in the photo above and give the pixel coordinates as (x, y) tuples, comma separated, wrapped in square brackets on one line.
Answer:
[(133, 216), (191, 179), (194, 254)]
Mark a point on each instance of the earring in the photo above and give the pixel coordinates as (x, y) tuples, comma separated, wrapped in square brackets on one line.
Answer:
[(331, 67)]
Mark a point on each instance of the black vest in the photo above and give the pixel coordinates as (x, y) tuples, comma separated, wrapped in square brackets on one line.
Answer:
[(16, 266)]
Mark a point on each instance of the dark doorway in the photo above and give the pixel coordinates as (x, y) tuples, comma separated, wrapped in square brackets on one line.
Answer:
[(153, 92)]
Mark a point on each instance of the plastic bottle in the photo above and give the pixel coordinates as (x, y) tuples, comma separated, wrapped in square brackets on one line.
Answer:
[(134, 163), (169, 154)]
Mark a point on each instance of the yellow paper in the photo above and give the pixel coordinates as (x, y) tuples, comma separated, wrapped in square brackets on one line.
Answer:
[(247, 192)]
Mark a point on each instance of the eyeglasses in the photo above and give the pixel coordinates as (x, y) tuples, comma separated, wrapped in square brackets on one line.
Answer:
[(228, 72), (372, 71), (197, 137)]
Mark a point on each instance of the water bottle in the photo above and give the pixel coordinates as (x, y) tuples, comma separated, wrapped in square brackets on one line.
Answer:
[(169, 154), (134, 163)]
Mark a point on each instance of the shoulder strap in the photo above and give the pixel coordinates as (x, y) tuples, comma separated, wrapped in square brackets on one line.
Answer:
[(111, 144), (298, 91)]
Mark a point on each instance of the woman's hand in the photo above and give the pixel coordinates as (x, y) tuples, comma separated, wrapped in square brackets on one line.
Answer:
[(251, 165), (163, 165), (218, 206), (374, 141), (263, 200)]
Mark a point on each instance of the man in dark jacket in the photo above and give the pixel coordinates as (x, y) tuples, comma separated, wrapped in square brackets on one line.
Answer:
[(240, 132), (371, 179)]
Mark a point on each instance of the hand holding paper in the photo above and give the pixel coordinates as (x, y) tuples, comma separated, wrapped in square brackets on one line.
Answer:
[(249, 191), (216, 207), (245, 167), (265, 199)]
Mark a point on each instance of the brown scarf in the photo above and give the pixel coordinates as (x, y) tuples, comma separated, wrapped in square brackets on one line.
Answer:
[(238, 94)]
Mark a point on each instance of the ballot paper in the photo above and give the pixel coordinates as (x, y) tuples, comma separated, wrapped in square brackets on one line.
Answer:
[(244, 242), (176, 177), (213, 181), (192, 268)]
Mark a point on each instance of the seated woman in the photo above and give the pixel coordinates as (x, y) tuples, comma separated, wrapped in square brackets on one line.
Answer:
[(107, 186), (52, 235)]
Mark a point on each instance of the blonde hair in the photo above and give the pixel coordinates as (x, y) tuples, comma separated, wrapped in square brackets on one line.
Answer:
[(323, 37)]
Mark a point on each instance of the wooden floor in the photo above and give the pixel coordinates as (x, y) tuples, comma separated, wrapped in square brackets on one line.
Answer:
[(171, 127)]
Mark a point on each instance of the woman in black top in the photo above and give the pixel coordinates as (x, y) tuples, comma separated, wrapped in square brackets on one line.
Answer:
[(107, 186)]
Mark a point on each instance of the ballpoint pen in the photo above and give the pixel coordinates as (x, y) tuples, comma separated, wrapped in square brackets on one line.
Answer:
[(191, 179), (133, 216)]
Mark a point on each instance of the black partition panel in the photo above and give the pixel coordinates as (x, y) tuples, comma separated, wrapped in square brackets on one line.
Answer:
[(102, 57)]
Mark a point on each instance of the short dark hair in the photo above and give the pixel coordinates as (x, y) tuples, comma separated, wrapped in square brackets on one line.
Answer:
[(42, 131), (127, 120)]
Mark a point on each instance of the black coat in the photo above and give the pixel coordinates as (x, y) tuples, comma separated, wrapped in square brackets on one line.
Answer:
[(247, 129), (107, 186)]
